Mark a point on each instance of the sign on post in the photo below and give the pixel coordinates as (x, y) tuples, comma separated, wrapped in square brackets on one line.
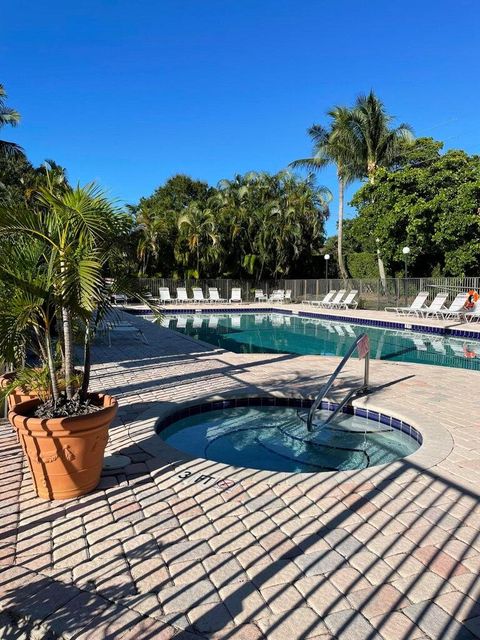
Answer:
[(363, 347)]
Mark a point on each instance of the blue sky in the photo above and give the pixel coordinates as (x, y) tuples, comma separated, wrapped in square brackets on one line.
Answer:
[(130, 93)]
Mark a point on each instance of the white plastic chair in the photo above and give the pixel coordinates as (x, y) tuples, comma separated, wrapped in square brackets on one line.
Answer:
[(455, 310), (236, 295), (435, 307), (327, 298), (182, 295), (214, 296), (277, 296), (417, 305), (260, 296), (198, 295), (164, 293), (335, 301), (349, 301)]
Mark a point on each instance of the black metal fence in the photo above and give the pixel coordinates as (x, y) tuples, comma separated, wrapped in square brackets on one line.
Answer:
[(373, 293)]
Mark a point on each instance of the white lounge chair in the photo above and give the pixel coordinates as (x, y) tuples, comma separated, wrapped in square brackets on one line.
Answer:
[(327, 298), (182, 295), (455, 310), (348, 301), (214, 296), (436, 306), (474, 314), (260, 296), (277, 296), (198, 295), (414, 308), (335, 301), (119, 298), (288, 295), (164, 293), (182, 322), (236, 295)]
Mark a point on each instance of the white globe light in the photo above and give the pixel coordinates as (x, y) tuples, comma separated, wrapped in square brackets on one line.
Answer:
[(406, 250), (327, 256)]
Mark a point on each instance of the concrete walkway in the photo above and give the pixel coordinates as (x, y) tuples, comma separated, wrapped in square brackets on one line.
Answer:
[(178, 547)]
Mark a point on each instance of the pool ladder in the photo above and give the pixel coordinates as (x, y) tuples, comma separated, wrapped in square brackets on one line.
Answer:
[(363, 346)]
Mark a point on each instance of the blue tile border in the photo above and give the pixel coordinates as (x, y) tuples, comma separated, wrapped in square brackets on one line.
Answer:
[(270, 401)]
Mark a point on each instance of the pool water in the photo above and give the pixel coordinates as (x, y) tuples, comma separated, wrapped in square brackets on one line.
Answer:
[(280, 333), (276, 438)]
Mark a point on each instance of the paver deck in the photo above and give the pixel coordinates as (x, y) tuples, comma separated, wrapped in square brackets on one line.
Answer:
[(172, 546)]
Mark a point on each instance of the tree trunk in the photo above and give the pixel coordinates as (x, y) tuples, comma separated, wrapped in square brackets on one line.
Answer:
[(341, 195), (51, 366), (68, 343), (86, 363)]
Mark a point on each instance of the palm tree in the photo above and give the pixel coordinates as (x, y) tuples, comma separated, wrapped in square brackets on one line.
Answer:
[(8, 116), (73, 235), (198, 228), (377, 143), (339, 146)]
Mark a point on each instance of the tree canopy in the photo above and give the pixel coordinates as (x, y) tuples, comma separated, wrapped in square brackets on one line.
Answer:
[(430, 201)]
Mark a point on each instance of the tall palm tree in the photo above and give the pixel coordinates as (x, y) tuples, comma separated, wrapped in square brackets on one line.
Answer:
[(198, 228), (336, 145), (8, 116), (377, 143)]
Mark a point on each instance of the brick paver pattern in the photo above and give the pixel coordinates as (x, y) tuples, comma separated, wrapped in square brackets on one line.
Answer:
[(166, 548)]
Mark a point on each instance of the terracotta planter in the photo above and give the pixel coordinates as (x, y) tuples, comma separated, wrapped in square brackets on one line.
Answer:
[(65, 455), (17, 395)]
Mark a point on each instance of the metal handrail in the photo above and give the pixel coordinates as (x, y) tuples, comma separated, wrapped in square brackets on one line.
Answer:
[(327, 386)]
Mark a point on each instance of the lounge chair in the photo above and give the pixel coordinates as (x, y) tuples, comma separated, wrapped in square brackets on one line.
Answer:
[(335, 301), (414, 308), (164, 293), (436, 306), (236, 295), (260, 296), (349, 301), (182, 322), (474, 314), (455, 310), (327, 298), (214, 296), (198, 295), (182, 295), (119, 298), (277, 296), (288, 295)]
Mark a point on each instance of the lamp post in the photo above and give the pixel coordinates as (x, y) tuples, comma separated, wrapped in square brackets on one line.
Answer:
[(327, 258), (406, 251)]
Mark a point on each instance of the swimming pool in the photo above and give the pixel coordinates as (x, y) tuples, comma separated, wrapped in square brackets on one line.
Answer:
[(275, 437), (281, 333)]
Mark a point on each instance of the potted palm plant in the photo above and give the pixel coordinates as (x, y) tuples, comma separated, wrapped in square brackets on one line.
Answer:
[(53, 288)]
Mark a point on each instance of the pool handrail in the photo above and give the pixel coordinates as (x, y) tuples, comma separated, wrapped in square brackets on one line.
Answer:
[(327, 386)]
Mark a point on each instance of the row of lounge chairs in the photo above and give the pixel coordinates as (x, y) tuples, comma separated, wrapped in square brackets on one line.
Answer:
[(337, 300), (437, 308), (164, 296)]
